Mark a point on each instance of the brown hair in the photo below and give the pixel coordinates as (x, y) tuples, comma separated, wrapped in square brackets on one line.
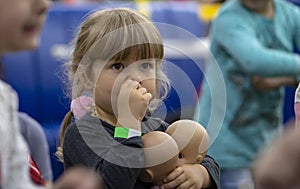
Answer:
[(113, 34)]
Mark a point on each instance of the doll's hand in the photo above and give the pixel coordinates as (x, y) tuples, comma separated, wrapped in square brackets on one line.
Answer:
[(187, 176), (133, 101)]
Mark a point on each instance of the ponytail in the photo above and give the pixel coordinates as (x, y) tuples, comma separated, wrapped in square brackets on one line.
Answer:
[(79, 107), (64, 125)]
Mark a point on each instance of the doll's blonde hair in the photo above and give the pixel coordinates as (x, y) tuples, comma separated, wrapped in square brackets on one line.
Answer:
[(112, 34)]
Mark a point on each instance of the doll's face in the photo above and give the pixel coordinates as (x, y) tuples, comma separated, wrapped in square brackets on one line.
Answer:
[(21, 22), (192, 140), (186, 136), (189, 154), (160, 151)]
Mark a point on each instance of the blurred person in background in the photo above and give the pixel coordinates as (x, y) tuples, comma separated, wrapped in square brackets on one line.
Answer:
[(253, 44), (284, 153), (20, 25), (36, 139)]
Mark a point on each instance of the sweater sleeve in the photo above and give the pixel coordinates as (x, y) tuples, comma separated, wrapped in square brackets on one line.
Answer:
[(36, 139), (213, 170), (124, 169), (239, 39), (13, 149), (118, 161), (295, 14), (295, 11)]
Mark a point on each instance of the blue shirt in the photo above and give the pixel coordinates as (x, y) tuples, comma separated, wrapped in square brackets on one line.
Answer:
[(245, 44)]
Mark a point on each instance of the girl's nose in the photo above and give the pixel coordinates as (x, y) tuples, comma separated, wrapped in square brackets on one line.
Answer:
[(136, 77), (134, 74)]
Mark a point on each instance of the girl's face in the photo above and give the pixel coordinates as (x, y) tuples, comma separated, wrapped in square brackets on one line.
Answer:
[(20, 23), (114, 73)]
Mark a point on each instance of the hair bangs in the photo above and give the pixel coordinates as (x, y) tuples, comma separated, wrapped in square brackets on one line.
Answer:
[(140, 52), (139, 41), (129, 35)]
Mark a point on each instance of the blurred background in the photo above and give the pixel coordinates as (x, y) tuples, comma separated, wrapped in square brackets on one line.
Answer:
[(40, 87)]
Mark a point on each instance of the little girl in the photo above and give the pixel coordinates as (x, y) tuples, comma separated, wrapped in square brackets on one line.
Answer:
[(117, 62)]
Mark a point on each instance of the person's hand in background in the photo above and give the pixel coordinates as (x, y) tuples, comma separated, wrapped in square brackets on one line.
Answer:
[(278, 167), (271, 83), (79, 178)]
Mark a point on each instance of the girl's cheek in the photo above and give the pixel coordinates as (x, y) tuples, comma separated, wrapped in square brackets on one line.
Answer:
[(150, 85)]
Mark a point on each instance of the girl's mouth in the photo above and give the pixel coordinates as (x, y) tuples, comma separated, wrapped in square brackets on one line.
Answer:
[(31, 29)]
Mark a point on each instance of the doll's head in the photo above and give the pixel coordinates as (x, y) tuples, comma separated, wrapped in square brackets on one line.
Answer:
[(192, 140), (186, 137), (161, 157)]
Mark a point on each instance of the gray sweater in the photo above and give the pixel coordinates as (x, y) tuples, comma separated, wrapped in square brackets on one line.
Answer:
[(90, 142)]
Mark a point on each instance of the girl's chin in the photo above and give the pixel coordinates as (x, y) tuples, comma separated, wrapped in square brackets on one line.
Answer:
[(32, 36), (32, 43)]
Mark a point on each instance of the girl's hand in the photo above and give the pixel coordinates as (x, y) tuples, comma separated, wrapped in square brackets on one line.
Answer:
[(187, 176), (132, 104)]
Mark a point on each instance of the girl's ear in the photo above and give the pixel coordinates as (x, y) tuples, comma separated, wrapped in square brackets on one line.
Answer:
[(199, 158), (146, 175)]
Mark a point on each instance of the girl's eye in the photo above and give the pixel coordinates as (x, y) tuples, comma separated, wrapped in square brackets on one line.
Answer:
[(117, 66), (146, 66)]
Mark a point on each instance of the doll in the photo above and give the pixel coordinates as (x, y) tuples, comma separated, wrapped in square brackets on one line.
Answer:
[(161, 158), (192, 140)]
